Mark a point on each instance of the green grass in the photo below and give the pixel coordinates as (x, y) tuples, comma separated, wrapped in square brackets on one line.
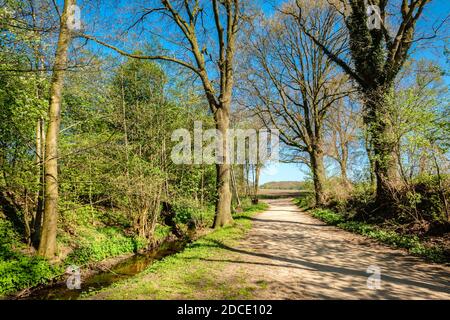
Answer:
[(86, 244), (195, 272), (410, 242), (18, 269), (21, 271), (80, 242)]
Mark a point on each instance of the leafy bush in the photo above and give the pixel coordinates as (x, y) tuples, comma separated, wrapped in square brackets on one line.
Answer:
[(328, 216), (184, 210), (418, 200), (7, 233), (246, 202), (24, 271), (17, 269), (188, 212), (74, 213), (161, 232), (107, 242), (430, 204), (306, 200)]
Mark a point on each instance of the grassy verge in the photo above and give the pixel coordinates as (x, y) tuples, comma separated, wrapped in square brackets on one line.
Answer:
[(20, 268), (194, 273), (410, 242), (85, 238)]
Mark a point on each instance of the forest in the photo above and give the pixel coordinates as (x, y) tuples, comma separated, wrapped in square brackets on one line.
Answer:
[(96, 97)]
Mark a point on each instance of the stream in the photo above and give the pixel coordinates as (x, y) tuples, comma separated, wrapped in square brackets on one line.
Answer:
[(122, 270)]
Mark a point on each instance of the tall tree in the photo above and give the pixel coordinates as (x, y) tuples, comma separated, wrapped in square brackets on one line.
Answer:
[(341, 134), (47, 244), (291, 84), (187, 18), (376, 58), (419, 97)]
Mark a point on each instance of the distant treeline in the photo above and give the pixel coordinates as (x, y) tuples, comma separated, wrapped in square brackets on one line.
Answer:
[(284, 185)]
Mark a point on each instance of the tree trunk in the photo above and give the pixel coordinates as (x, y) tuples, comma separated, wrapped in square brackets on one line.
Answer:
[(318, 170), (246, 177), (256, 183), (27, 219), (344, 175), (235, 187), (47, 245), (343, 164), (36, 222), (383, 144), (39, 197), (223, 202)]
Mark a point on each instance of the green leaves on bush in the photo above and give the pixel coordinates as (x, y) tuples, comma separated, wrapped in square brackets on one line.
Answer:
[(189, 212), (18, 270), (108, 242), (25, 272)]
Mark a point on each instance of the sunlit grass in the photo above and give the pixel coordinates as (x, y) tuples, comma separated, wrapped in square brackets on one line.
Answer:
[(195, 272)]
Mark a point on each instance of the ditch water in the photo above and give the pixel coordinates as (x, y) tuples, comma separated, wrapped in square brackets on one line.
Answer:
[(122, 270)]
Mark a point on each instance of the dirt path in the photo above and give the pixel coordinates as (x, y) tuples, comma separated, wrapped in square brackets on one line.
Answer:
[(290, 255)]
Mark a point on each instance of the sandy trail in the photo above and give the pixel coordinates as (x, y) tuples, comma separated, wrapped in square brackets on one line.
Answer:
[(291, 255)]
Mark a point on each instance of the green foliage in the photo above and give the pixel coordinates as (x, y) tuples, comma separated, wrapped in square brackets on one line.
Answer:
[(251, 209), (419, 114), (328, 216), (161, 232), (189, 212), (103, 243), (425, 196), (307, 200), (125, 142), (172, 278), (419, 200), (76, 214), (19, 269), (8, 235), (24, 271)]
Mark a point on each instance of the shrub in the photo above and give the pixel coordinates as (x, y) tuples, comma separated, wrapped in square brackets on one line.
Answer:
[(189, 212), (24, 271), (161, 232), (107, 242), (18, 269), (328, 216), (185, 209), (306, 200)]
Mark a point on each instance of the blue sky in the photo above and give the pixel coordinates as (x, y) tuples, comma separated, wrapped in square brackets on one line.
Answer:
[(437, 9), (282, 172)]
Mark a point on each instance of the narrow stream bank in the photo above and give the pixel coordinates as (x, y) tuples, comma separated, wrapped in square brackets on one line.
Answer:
[(122, 270)]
